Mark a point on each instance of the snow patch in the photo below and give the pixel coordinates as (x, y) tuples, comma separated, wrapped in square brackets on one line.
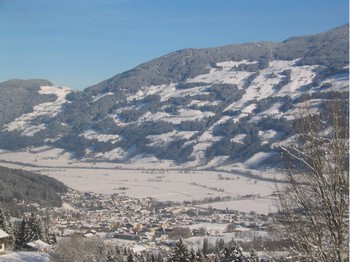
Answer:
[(115, 154), (256, 159), (90, 134), (98, 97), (166, 138), (225, 72), (238, 138), (51, 109)]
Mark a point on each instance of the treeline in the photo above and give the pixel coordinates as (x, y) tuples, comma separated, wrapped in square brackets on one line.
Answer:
[(29, 187), (77, 248)]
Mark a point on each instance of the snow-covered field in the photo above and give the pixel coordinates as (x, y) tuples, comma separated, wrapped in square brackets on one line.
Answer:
[(157, 180), (25, 257)]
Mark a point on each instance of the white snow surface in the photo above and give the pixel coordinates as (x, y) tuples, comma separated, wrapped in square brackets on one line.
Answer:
[(141, 177), (98, 97), (166, 138), (25, 257), (90, 134), (256, 159), (268, 135), (225, 72)]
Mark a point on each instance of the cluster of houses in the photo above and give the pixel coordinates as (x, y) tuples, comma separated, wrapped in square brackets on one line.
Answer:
[(144, 221), (139, 223)]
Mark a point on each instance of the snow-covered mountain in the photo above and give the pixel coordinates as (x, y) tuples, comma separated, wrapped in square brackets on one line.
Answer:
[(210, 107)]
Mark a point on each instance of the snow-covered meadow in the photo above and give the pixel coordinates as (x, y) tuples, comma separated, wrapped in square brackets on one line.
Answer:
[(148, 179)]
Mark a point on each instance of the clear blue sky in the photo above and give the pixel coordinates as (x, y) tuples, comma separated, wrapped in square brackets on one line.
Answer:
[(78, 43)]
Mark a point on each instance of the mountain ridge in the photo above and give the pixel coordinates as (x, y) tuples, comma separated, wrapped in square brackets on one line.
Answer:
[(245, 51), (206, 107)]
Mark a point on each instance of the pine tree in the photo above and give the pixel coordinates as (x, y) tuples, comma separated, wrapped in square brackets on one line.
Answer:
[(131, 257), (36, 229), (160, 258), (254, 256), (200, 256), (179, 253), (22, 236), (205, 246), (232, 252), (219, 245), (110, 257), (6, 225), (193, 257)]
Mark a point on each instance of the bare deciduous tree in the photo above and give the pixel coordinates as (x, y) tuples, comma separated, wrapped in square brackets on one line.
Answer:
[(314, 201)]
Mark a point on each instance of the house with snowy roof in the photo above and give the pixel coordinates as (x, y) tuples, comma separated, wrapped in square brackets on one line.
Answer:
[(39, 245), (3, 235)]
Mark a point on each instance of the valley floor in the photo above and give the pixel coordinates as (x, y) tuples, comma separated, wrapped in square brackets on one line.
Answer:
[(225, 189)]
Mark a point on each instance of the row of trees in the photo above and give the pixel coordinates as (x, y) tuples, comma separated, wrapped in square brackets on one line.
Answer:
[(77, 248)]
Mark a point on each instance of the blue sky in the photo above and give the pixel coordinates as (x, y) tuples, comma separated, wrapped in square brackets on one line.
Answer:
[(78, 43)]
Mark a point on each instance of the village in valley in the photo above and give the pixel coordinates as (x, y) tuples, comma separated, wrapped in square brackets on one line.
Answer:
[(146, 220), (144, 225)]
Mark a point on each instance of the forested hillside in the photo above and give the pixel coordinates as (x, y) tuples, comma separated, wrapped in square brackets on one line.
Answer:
[(30, 187)]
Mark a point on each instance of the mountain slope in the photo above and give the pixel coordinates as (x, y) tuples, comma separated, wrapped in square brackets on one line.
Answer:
[(209, 107), (23, 185), (329, 48)]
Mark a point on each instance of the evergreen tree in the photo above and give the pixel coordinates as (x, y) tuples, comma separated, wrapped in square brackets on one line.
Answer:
[(160, 258), (110, 256), (219, 245), (200, 256), (179, 252), (6, 225), (232, 252), (36, 229), (131, 257), (205, 246), (22, 237), (254, 256), (193, 257)]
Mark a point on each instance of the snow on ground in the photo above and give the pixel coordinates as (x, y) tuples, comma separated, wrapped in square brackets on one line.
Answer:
[(262, 86), (200, 103), (239, 138), (259, 205), (165, 91), (46, 156), (50, 108), (225, 72), (163, 186), (90, 134), (273, 110), (149, 90), (268, 136), (98, 97), (339, 82), (301, 76), (25, 257), (244, 112), (146, 176), (217, 161), (256, 159), (200, 146), (183, 115), (116, 153), (166, 138)]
